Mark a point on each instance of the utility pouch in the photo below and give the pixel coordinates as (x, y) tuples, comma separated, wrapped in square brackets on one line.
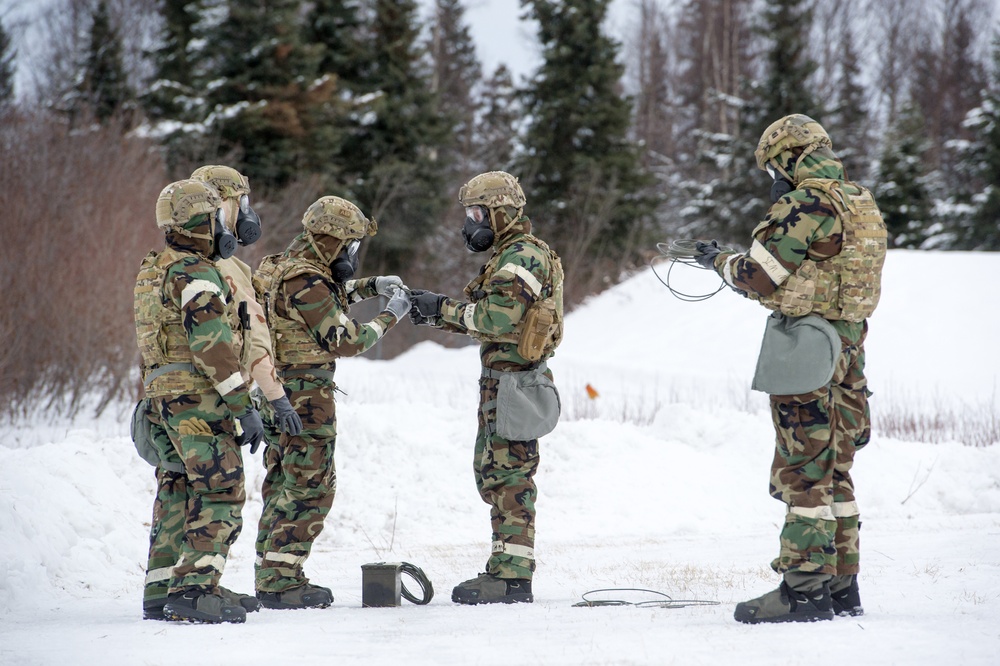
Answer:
[(797, 355), (535, 333), (528, 405), (142, 433)]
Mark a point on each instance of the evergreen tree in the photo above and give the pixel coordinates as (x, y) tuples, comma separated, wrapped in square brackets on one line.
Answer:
[(6, 69), (496, 130), (336, 26), (173, 93), (902, 193), (786, 25), (104, 88), (456, 75), (984, 155), (580, 171), (848, 122), (653, 113), (394, 139)]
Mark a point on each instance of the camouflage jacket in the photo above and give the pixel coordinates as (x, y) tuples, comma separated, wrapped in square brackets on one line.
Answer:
[(185, 313), (802, 228), (519, 273), (308, 311), (260, 359)]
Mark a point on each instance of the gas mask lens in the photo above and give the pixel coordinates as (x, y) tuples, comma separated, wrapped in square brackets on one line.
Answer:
[(771, 172), (475, 213), (352, 248), (220, 216), (244, 203)]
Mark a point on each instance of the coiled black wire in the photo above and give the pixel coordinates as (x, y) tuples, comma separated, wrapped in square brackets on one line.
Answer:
[(666, 602), (683, 251), (417, 574)]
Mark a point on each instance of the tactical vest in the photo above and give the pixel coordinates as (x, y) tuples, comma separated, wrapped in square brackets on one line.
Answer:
[(540, 330), (160, 332), (846, 286), (291, 339)]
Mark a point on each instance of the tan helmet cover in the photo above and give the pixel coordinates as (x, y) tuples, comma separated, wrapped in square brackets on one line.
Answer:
[(333, 216), (230, 183), (181, 201), (492, 189), (794, 131)]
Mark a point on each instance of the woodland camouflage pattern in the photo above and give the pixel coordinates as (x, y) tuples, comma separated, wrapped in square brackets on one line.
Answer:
[(311, 328), (521, 271), (827, 232), (184, 313)]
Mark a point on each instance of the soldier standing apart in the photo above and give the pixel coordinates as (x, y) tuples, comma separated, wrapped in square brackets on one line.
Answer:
[(514, 309), (190, 334), (818, 252), (306, 292)]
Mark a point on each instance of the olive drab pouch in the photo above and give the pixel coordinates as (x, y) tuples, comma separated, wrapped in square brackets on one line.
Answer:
[(535, 335), (142, 433), (528, 405), (797, 355)]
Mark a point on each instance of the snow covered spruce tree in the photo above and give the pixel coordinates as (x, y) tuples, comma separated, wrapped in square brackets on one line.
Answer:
[(6, 69), (984, 163), (901, 189), (103, 89), (580, 170)]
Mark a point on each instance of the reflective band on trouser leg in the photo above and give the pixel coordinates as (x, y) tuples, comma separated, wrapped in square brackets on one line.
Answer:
[(159, 575), (807, 541), (848, 538), (527, 552)]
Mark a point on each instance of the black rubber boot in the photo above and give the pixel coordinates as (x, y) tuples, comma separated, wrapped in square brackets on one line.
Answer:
[(200, 607), (787, 605), (303, 596), (153, 610), (847, 598), (488, 589), (250, 604)]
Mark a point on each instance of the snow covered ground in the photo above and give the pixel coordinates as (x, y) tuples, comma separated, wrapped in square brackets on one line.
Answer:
[(659, 483)]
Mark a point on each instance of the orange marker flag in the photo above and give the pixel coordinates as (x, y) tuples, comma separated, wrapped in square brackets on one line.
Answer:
[(592, 392)]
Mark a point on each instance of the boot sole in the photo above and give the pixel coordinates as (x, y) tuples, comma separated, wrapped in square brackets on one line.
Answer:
[(192, 616), (818, 616), (522, 598), (278, 605)]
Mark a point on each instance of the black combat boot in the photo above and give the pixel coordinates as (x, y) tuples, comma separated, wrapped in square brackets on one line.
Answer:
[(488, 589), (153, 610), (787, 605), (250, 604), (303, 596), (846, 598), (201, 607)]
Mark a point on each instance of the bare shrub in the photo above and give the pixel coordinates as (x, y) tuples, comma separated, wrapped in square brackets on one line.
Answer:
[(77, 219)]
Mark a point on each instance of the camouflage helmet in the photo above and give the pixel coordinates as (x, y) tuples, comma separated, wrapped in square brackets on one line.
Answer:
[(492, 189), (181, 201), (794, 131), (230, 183), (333, 216)]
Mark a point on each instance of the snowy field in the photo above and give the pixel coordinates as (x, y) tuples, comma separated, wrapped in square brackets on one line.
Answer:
[(659, 483)]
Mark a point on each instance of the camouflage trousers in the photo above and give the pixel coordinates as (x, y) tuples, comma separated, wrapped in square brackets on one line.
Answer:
[(505, 472), (818, 434), (197, 512), (299, 486)]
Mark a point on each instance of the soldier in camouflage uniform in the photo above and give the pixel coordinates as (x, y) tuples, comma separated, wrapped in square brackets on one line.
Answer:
[(819, 251), (190, 333), (523, 278), (306, 292)]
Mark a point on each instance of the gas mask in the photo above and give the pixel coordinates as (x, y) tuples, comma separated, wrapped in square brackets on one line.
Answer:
[(476, 231), (346, 264), (247, 222), (225, 241), (779, 185)]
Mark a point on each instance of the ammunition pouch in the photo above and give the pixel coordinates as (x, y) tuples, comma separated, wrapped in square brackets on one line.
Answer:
[(537, 330), (797, 355), (528, 405)]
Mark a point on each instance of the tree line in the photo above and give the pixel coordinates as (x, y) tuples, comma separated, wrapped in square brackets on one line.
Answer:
[(618, 144)]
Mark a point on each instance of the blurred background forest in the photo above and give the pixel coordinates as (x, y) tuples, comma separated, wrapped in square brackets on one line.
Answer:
[(619, 142)]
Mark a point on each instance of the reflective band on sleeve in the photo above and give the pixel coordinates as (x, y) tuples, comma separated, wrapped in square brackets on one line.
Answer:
[(771, 266), (228, 384), (378, 328), (530, 280), (819, 512), (215, 561), (287, 558), (845, 509), (468, 317), (196, 287), (156, 575), (527, 552)]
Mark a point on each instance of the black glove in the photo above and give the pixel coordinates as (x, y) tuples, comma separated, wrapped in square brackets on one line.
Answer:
[(708, 253), (285, 418), (425, 306), (253, 430)]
